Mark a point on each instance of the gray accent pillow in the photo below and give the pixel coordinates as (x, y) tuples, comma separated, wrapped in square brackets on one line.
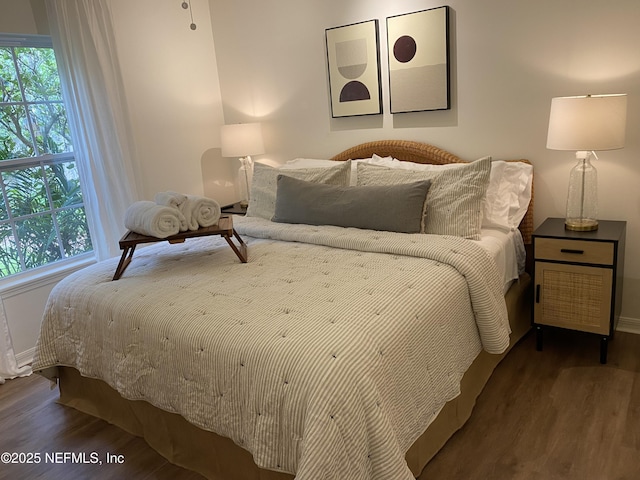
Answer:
[(393, 208), (455, 201), (263, 186)]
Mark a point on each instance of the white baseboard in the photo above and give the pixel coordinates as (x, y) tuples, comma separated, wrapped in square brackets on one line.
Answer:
[(629, 325), (26, 357)]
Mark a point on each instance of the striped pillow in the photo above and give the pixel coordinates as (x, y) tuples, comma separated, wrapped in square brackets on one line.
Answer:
[(264, 184), (455, 199)]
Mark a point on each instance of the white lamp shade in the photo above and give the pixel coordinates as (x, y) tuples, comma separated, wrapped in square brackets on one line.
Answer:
[(592, 122), (241, 140)]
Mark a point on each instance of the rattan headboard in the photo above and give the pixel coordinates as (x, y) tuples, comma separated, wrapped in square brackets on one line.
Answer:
[(418, 152)]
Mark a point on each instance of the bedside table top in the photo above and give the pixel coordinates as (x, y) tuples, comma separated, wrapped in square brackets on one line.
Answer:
[(234, 208), (608, 230)]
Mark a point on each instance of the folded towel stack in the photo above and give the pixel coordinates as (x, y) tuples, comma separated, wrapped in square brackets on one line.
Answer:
[(171, 213), (196, 211), (149, 218)]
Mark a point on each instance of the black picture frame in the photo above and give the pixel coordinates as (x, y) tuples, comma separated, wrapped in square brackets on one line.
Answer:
[(419, 61), (353, 63)]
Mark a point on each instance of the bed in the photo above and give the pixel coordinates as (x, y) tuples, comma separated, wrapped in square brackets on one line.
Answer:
[(335, 352)]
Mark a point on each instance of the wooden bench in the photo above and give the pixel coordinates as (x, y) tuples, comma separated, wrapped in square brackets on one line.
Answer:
[(224, 228)]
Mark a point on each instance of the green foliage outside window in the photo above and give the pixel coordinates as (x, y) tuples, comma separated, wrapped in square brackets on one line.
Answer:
[(42, 216)]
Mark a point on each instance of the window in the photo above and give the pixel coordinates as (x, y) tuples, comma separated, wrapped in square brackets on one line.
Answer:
[(42, 216)]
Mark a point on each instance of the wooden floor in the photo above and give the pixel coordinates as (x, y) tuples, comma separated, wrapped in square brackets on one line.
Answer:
[(556, 414)]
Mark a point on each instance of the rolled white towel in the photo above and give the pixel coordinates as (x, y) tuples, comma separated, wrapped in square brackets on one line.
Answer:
[(177, 201), (200, 211), (170, 199), (149, 218)]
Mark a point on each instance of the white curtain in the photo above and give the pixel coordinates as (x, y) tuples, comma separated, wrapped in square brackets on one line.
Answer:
[(84, 42), (8, 365)]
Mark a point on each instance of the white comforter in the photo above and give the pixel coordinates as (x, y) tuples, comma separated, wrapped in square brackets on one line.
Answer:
[(321, 356)]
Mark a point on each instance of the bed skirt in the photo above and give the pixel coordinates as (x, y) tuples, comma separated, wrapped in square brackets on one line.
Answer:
[(218, 458)]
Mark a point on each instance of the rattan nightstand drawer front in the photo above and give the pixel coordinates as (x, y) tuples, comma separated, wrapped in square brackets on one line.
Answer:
[(573, 296), (574, 251)]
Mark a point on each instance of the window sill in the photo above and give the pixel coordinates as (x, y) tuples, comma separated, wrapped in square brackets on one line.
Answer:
[(39, 277)]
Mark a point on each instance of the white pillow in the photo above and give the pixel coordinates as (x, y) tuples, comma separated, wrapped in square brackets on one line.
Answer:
[(264, 184), (401, 164), (454, 204), (508, 195), (307, 163)]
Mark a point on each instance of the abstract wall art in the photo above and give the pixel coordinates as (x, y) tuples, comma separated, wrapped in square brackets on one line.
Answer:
[(353, 59), (418, 46)]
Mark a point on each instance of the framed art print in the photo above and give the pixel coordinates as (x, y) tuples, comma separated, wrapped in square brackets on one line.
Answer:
[(418, 46), (353, 60)]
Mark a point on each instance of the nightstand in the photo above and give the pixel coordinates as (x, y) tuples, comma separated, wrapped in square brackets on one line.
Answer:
[(235, 209), (578, 279)]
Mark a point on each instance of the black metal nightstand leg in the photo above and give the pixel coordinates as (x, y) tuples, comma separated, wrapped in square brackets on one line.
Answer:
[(539, 338), (604, 344)]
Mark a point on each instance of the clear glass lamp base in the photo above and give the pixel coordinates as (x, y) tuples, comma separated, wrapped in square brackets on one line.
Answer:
[(582, 200), (580, 224)]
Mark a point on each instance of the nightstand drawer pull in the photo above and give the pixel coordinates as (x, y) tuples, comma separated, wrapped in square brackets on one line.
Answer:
[(538, 293), (571, 250)]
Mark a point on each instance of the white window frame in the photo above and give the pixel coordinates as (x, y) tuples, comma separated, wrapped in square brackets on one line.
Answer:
[(40, 274)]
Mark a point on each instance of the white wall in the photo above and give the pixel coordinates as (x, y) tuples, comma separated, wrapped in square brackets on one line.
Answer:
[(171, 81), (509, 59), (22, 17)]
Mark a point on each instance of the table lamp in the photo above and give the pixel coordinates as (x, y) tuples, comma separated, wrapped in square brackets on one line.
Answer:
[(242, 140), (586, 124)]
